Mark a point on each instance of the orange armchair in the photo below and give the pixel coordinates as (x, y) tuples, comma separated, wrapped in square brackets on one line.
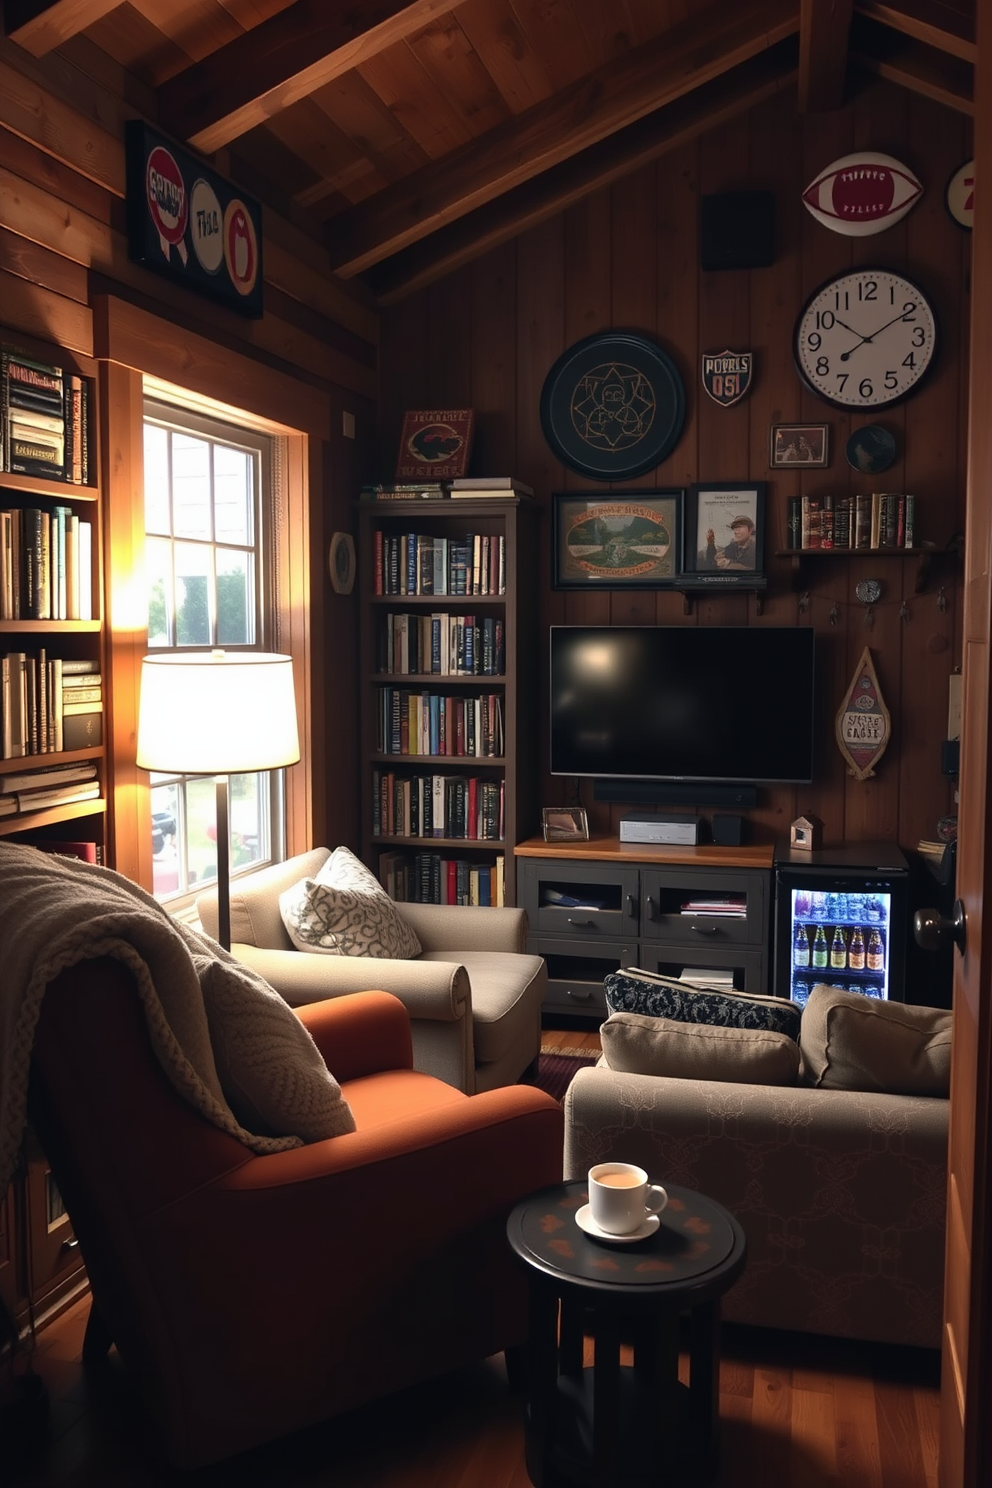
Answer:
[(253, 1295)]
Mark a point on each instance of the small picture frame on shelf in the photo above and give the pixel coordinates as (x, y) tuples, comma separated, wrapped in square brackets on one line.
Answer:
[(725, 532), (799, 447), (626, 540), (565, 824)]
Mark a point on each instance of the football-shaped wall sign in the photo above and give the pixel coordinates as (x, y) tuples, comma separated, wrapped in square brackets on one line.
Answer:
[(862, 194)]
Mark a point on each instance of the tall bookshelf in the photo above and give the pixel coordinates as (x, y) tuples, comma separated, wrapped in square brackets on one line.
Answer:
[(418, 546), (78, 641), (41, 1269)]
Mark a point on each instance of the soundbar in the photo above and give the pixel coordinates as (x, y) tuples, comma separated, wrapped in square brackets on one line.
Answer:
[(674, 793)]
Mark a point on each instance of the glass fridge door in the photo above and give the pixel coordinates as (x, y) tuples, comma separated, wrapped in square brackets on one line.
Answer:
[(839, 933)]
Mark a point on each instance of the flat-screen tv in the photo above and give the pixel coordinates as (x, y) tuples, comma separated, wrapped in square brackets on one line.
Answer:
[(683, 703)]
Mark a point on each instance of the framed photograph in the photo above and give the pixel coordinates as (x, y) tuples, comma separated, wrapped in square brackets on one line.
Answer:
[(799, 447), (565, 824), (725, 536), (625, 540), (341, 562)]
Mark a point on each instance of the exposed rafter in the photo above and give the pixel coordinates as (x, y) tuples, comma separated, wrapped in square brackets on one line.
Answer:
[(823, 31), (627, 150), (928, 21), (689, 55), (39, 26), (284, 59)]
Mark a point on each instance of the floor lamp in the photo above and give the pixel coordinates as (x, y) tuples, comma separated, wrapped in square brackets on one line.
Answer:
[(219, 713)]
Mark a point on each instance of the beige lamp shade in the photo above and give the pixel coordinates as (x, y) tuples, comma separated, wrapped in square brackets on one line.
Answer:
[(217, 713)]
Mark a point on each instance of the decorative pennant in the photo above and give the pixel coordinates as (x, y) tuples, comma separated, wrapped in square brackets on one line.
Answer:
[(863, 726), (727, 375)]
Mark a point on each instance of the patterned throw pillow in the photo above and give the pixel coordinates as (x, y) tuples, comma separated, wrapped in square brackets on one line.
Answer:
[(345, 911), (636, 991)]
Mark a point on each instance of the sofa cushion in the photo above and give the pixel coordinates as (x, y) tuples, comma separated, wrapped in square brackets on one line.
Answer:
[(345, 911), (639, 1045), (636, 991), (851, 1042), (508, 988)]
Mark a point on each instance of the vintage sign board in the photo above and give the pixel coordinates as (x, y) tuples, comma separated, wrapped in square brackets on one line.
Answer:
[(435, 444), (727, 375), (862, 194), (863, 726), (187, 223)]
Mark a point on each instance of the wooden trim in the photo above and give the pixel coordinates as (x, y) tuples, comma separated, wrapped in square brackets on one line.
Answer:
[(612, 850), (823, 33), (136, 338), (41, 25)]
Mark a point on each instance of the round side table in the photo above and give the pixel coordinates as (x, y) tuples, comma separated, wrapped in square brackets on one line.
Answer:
[(613, 1425)]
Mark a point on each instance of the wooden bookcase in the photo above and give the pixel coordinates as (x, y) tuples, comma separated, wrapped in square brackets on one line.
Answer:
[(392, 527), (41, 1269)]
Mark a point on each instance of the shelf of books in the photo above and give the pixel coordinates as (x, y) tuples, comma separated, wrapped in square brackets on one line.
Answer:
[(448, 666), (877, 524), (52, 774)]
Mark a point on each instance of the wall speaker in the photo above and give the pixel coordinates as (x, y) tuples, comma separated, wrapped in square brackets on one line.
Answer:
[(728, 828), (737, 230), (673, 793)]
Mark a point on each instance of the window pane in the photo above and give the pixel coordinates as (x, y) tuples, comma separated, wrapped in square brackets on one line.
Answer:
[(234, 598), (191, 486), (201, 816), (248, 814), (166, 862), (156, 480), (192, 595), (232, 495), (161, 607)]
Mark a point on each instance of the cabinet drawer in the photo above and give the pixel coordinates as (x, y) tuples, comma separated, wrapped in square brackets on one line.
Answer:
[(674, 907), (576, 972), (747, 965), (594, 901)]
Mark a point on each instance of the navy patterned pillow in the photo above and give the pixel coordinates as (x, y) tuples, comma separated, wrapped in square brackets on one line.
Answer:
[(636, 991)]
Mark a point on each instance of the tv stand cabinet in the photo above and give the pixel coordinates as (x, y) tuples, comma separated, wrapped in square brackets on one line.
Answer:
[(628, 909)]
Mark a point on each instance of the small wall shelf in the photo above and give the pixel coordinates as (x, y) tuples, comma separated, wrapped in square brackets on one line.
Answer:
[(801, 556)]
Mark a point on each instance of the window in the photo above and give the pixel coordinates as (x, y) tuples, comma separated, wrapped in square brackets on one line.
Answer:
[(210, 493)]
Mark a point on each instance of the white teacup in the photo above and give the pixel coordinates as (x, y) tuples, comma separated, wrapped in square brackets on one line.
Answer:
[(621, 1197)]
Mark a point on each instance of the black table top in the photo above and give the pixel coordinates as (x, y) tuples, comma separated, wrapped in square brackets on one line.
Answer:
[(696, 1252)]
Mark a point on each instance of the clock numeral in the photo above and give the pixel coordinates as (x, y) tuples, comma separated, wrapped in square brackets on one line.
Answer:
[(842, 379), (909, 310), (841, 301), (814, 340), (891, 380), (909, 361), (822, 366), (865, 389), (824, 320), (868, 290), (919, 336)]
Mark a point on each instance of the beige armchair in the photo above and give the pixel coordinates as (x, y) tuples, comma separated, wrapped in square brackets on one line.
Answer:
[(473, 994)]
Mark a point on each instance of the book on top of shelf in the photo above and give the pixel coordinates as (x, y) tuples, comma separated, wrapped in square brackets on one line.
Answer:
[(490, 485), (404, 491)]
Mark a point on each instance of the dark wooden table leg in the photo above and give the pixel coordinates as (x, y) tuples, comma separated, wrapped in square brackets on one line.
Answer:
[(542, 1381), (607, 1437), (704, 1382)]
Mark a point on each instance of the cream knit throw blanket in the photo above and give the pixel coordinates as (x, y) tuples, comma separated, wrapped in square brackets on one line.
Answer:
[(56, 911)]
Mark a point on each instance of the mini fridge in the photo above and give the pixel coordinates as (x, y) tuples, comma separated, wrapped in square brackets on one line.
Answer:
[(841, 917)]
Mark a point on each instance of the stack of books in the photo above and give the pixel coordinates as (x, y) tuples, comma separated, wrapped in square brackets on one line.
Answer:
[(490, 487), (44, 415), (48, 704), (36, 790), (46, 560), (879, 519)]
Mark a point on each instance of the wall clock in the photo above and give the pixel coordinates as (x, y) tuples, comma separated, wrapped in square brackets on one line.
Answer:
[(865, 339), (613, 406)]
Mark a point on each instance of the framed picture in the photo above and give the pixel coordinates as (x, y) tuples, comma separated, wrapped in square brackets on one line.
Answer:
[(725, 532), (341, 562), (625, 540), (435, 444), (799, 446), (565, 824)]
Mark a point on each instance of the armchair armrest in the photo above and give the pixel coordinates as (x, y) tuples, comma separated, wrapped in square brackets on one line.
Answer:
[(437, 991), (465, 927), (360, 1033)]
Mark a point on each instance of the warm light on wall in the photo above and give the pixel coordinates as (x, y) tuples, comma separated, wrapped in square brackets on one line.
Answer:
[(217, 713)]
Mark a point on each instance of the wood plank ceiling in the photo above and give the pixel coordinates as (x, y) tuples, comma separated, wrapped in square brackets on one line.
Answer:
[(410, 135)]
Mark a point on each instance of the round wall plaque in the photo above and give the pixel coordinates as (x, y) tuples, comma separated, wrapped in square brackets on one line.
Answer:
[(871, 450), (613, 406)]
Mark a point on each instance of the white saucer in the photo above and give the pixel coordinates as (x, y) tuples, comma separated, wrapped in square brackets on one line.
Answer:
[(584, 1220)]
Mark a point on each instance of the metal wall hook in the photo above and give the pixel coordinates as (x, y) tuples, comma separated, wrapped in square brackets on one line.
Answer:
[(942, 600), (869, 617), (804, 602), (834, 614), (904, 612)]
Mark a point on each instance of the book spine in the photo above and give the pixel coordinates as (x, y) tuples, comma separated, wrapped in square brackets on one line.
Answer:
[(910, 521), (876, 518), (827, 522)]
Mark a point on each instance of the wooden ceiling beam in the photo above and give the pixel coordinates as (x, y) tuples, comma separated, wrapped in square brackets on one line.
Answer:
[(946, 81), (928, 21), (647, 78), (281, 61), (598, 167), (824, 26), (39, 26)]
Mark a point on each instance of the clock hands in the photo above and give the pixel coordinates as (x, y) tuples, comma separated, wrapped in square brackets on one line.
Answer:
[(845, 356)]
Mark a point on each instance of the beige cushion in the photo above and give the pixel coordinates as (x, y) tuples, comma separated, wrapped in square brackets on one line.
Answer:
[(851, 1042), (270, 1070), (640, 1045), (345, 911)]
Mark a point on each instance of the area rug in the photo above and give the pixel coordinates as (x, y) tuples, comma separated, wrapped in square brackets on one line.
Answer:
[(555, 1071)]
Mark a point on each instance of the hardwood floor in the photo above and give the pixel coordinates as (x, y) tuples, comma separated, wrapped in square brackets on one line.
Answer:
[(796, 1412)]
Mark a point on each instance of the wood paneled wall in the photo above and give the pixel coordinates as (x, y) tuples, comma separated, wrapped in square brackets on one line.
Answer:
[(63, 250), (628, 257)]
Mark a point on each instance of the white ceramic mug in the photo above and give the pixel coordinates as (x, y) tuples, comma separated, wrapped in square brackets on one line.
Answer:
[(621, 1197)]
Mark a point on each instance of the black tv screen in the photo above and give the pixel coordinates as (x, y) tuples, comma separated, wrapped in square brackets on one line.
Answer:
[(683, 703)]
